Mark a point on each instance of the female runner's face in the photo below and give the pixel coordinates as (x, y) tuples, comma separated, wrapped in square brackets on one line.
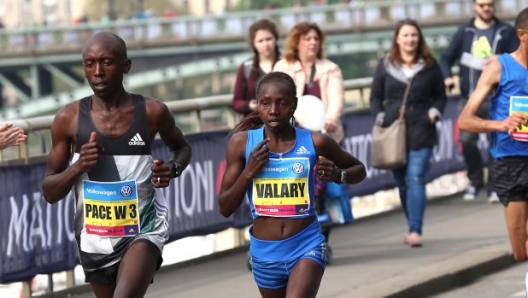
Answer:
[(275, 108), (264, 43)]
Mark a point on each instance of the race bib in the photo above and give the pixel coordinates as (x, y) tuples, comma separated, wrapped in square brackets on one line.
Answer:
[(111, 208), (281, 188), (519, 104)]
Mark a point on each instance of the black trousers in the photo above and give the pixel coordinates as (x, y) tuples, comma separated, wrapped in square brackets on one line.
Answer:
[(472, 156)]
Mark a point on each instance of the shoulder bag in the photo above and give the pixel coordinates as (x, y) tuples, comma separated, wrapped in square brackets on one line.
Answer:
[(388, 148)]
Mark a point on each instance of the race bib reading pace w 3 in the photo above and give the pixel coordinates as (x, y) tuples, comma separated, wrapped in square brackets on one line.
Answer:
[(111, 208), (281, 188)]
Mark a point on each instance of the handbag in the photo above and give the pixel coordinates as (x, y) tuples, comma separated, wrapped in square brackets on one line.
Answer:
[(388, 148)]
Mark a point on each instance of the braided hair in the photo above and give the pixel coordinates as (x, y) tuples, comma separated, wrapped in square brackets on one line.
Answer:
[(253, 120), (263, 24)]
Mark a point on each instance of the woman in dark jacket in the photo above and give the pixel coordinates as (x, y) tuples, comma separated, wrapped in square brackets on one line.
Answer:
[(410, 62)]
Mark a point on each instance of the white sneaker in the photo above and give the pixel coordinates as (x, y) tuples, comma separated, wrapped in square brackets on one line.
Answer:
[(470, 194), (493, 198)]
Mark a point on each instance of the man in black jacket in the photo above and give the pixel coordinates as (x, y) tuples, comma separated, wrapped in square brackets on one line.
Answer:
[(472, 44)]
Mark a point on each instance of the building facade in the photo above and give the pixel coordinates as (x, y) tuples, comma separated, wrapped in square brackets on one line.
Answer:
[(36, 13)]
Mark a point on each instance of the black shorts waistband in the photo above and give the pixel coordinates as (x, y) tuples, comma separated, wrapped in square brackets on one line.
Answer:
[(514, 158)]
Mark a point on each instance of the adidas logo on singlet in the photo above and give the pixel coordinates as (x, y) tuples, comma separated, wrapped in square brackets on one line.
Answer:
[(136, 141), (302, 151)]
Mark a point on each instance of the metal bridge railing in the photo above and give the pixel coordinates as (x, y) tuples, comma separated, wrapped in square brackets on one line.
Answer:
[(187, 30), (192, 115)]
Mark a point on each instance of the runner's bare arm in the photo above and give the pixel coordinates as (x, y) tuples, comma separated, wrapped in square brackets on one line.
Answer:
[(60, 177), (238, 172), (161, 121), (469, 121), (333, 154)]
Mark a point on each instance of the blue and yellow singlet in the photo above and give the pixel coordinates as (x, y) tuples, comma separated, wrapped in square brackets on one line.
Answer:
[(285, 185)]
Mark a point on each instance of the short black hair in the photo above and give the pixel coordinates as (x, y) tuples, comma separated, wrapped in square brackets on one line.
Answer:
[(521, 22), (118, 44), (279, 77)]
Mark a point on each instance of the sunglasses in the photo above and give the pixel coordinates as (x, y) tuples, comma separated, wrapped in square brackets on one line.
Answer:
[(482, 5)]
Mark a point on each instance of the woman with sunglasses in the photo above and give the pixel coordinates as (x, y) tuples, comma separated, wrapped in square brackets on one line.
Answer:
[(473, 43)]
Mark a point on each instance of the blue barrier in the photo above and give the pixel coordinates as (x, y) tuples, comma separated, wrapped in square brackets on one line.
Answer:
[(37, 238)]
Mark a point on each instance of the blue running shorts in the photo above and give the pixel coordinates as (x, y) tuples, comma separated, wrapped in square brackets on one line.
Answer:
[(272, 261)]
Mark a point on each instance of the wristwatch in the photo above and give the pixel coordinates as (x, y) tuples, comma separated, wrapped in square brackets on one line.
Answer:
[(176, 169), (342, 173), (343, 176)]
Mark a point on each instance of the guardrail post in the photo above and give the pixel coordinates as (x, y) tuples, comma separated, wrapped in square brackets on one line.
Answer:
[(240, 237), (26, 289), (385, 13), (70, 279), (362, 97), (50, 283), (198, 120), (440, 9), (23, 151), (232, 118)]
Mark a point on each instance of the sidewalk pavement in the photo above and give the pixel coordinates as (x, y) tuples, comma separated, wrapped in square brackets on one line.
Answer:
[(462, 241)]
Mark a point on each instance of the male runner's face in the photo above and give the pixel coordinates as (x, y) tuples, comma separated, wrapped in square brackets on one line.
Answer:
[(103, 68), (484, 10)]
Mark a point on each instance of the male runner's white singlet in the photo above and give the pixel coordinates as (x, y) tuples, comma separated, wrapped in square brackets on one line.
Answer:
[(115, 201)]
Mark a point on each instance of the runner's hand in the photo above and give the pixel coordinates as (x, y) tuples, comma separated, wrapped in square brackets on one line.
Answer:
[(89, 153), (160, 174), (258, 158), (514, 122)]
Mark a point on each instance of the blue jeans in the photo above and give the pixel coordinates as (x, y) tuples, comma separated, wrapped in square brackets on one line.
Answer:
[(411, 185)]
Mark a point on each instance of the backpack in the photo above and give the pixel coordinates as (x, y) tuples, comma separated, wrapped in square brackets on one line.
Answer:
[(248, 65)]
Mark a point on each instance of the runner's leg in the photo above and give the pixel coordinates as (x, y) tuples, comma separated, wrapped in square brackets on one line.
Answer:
[(516, 220), (137, 269), (103, 291), (305, 279)]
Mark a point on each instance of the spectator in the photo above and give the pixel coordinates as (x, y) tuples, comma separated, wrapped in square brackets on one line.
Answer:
[(472, 44), (11, 136), (505, 74), (410, 61), (169, 13), (287, 249), (262, 38), (296, 6), (315, 75)]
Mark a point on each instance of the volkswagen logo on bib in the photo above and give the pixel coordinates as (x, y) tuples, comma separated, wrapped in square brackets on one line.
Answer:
[(126, 190), (298, 168)]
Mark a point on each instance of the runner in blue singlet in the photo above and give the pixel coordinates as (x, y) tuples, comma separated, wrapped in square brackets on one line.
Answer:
[(275, 163), (507, 76)]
